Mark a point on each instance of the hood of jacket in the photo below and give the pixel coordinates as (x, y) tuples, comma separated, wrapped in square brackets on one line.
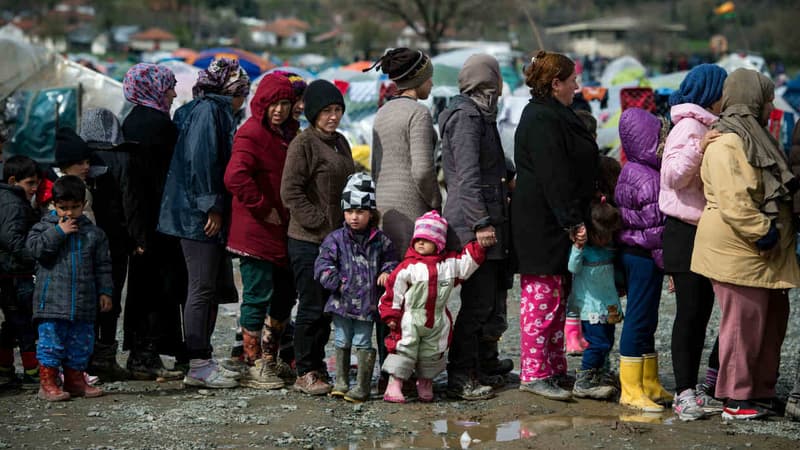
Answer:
[(271, 89), (639, 134), (692, 111), (53, 218), (13, 190)]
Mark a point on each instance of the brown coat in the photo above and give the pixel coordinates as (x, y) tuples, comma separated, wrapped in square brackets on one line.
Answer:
[(794, 161), (314, 176)]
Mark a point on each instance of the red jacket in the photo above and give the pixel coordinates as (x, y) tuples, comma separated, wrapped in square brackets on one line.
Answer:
[(253, 177)]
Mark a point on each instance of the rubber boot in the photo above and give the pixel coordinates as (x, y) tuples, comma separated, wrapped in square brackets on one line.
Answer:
[(425, 390), (342, 384), (251, 346), (394, 391), (574, 337), (652, 387), (104, 363), (630, 376), (48, 389), (75, 384), (366, 365)]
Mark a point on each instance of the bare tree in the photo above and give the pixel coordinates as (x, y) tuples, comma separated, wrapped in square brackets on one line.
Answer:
[(429, 19)]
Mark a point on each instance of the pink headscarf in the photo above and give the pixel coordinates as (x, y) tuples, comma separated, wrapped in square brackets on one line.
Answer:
[(147, 84)]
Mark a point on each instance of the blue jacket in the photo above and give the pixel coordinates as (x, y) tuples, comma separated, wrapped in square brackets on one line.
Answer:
[(72, 271), (194, 184), (593, 288), (350, 271)]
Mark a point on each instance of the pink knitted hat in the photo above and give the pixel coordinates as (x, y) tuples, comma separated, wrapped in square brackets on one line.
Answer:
[(432, 227)]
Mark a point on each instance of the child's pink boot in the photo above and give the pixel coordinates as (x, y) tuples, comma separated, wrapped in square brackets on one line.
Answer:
[(575, 342), (394, 391), (425, 389)]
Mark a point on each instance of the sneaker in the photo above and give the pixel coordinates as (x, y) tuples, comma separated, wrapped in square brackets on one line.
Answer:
[(774, 406), (312, 383), (469, 389), (705, 399), (262, 376), (285, 371), (547, 388), (792, 411), (493, 381), (30, 378), (498, 366), (234, 365), (742, 410), (564, 381), (610, 378), (228, 373), (209, 376), (687, 407), (589, 384)]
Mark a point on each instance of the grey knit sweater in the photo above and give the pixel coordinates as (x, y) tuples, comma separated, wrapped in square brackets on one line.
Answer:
[(403, 140)]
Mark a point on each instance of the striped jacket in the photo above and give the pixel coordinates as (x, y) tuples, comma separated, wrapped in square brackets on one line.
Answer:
[(72, 271)]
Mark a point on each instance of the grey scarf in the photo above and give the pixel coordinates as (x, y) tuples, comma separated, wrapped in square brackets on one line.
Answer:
[(479, 80)]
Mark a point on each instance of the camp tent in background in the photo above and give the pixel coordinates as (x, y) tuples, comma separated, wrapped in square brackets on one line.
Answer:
[(253, 64)]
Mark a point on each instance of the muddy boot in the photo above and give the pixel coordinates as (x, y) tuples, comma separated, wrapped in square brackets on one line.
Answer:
[(489, 359), (104, 363), (285, 371), (251, 346), (467, 387), (48, 389), (425, 390), (366, 365), (147, 365), (75, 384), (263, 375), (342, 384)]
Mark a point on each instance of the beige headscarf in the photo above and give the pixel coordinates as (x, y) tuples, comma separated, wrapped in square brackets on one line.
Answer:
[(744, 96), (479, 80)]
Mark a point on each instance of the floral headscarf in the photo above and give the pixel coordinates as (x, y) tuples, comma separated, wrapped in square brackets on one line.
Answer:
[(223, 76), (147, 84), (298, 83)]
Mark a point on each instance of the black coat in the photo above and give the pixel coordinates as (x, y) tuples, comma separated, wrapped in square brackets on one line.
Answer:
[(108, 182), (17, 216), (147, 171), (557, 162), (475, 173)]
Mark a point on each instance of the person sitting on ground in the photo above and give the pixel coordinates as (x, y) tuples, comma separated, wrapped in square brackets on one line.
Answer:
[(67, 295)]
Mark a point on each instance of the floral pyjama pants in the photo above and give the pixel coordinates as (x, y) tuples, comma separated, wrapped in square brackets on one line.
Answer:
[(542, 315)]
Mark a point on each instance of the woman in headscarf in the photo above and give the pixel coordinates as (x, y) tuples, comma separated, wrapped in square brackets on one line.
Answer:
[(477, 190), (157, 273), (403, 141), (196, 209), (318, 163), (694, 108), (745, 243), (557, 163)]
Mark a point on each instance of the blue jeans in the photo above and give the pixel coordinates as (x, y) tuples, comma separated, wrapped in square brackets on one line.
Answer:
[(641, 313), (600, 337), (352, 332), (65, 343)]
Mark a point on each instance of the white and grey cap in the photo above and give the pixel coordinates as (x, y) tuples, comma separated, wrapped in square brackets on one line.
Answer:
[(359, 192)]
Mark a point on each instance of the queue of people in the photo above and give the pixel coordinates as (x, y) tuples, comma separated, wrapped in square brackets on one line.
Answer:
[(706, 200)]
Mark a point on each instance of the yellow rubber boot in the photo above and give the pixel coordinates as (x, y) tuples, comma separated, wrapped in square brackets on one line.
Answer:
[(630, 377), (652, 387)]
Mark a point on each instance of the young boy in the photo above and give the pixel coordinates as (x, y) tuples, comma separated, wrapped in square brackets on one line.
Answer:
[(73, 272), (72, 156), (414, 308), (17, 216)]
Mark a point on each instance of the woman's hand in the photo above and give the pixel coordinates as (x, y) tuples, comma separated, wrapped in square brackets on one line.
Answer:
[(382, 279), (214, 224), (486, 236)]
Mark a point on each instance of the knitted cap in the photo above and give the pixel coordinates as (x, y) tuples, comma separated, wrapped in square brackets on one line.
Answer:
[(318, 95), (432, 227), (406, 67), (101, 130), (70, 148), (359, 192), (702, 86)]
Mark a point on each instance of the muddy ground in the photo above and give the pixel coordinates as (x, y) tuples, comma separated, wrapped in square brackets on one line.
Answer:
[(167, 415)]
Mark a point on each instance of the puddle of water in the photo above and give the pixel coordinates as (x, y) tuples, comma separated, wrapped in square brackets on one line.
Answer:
[(466, 434)]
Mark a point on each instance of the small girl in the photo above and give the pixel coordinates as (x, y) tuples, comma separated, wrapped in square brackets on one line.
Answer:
[(414, 307), (594, 297), (642, 135), (353, 263)]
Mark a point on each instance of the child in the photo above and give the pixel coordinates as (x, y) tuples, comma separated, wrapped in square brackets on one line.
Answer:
[(20, 180), (642, 135), (420, 323), (354, 262), (73, 271), (72, 156), (594, 297)]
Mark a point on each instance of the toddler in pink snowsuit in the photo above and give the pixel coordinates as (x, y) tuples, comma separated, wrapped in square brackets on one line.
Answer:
[(414, 306)]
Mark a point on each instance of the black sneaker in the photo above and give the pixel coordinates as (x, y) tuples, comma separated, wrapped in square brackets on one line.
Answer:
[(743, 410), (497, 367), (465, 387), (774, 406), (589, 384)]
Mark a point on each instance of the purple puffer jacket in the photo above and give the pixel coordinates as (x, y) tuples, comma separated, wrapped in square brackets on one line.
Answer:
[(638, 185), (350, 271)]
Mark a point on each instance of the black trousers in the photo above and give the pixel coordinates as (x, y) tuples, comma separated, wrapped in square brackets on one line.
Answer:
[(105, 327), (312, 327), (481, 321), (694, 298)]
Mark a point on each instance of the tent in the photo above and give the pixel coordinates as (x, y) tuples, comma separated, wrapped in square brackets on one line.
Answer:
[(623, 70), (253, 64)]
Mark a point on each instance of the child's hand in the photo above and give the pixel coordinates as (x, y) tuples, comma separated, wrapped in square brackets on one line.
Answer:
[(671, 285), (382, 279), (105, 303), (273, 217), (708, 138), (392, 325), (68, 226)]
